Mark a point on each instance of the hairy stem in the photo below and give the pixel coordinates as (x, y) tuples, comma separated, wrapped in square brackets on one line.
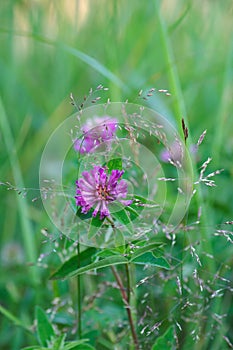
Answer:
[(125, 297), (128, 282), (79, 296)]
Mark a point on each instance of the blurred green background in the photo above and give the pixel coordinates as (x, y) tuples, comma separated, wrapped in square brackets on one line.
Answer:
[(49, 49)]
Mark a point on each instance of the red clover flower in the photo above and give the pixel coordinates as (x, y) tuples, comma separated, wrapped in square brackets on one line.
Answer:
[(96, 190)]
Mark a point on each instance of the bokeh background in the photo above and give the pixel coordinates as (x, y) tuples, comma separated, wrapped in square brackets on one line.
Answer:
[(49, 49)]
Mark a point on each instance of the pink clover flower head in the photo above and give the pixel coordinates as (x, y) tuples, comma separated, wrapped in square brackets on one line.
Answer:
[(96, 190), (95, 132)]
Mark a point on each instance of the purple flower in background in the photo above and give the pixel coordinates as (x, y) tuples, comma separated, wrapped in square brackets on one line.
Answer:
[(96, 189), (95, 132), (175, 152)]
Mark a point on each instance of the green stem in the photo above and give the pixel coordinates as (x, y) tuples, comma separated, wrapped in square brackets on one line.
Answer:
[(124, 294)]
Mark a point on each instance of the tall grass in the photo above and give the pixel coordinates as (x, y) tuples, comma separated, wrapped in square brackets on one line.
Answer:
[(52, 48)]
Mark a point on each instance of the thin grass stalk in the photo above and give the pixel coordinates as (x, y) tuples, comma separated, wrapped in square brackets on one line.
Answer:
[(224, 109), (27, 232), (221, 121), (180, 112)]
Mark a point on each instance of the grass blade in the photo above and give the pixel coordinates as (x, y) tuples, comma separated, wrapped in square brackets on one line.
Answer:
[(92, 62), (12, 318), (180, 112), (27, 232)]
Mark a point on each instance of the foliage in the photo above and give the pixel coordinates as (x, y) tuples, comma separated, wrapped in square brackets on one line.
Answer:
[(181, 282)]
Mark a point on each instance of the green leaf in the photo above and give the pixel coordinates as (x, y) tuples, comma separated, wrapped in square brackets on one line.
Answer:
[(141, 201), (35, 347), (114, 164), (133, 213), (166, 341), (63, 319), (146, 248), (112, 260), (105, 253), (45, 330), (72, 346), (58, 343), (122, 217), (119, 238), (82, 216), (95, 224), (70, 265), (149, 259), (120, 214)]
